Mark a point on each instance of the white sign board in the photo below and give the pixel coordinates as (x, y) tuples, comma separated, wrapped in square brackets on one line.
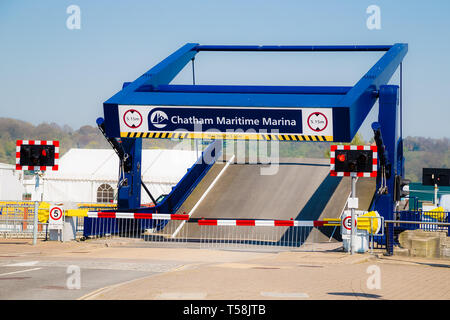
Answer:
[(55, 220), (346, 222), (140, 121)]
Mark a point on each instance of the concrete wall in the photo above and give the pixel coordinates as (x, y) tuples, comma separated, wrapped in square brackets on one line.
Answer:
[(419, 243)]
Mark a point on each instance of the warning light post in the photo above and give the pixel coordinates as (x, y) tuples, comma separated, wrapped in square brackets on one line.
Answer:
[(36, 156), (354, 161)]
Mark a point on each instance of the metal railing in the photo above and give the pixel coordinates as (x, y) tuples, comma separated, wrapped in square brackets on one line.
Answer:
[(391, 226), (433, 221), (373, 234), (249, 237), (207, 233), (17, 220), (423, 216)]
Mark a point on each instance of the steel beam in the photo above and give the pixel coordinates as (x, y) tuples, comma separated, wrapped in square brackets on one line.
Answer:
[(361, 98), (246, 89), (290, 48), (351, 105), (162, 73)]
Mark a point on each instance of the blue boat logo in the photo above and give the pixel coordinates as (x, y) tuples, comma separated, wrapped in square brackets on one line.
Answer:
[(159, 119)]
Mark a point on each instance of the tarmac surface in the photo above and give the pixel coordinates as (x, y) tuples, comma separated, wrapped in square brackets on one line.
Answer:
[(122, 271), (134, 269)]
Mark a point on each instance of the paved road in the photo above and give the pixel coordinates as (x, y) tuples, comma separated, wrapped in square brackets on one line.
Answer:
[(39, 272), (298, 275), (55, 278)]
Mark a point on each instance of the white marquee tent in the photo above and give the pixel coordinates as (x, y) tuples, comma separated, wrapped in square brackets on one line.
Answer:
[(11, 187), (85, 173)]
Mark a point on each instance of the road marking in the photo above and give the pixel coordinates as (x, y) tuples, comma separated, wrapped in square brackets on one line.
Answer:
[(95, 293), (23, 264), (21, 271), (92, 295), (181, 295), (285, 294)]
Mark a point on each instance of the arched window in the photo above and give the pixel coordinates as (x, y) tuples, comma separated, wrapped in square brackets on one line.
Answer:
[(105, 193)]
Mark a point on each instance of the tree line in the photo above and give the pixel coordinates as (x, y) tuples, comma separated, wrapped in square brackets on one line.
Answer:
[(419, 152)]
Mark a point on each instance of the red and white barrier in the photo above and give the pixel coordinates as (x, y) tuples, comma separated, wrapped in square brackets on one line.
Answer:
[(209, 222), (160, 229), (134, 215), (261, 223)]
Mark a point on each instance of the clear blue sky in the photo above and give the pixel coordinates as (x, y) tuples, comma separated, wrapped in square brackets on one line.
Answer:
[(53, 74)]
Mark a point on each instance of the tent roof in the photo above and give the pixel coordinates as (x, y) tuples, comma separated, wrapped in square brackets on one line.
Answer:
[(7, 166), (158, 165)]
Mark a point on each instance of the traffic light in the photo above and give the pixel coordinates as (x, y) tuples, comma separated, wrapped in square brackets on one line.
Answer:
[(353, 161), (361, 160), (401, 188), (436, 176), (37, 155)]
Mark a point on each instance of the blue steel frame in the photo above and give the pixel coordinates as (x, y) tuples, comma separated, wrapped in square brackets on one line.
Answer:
[(388, 112), (350, 105)]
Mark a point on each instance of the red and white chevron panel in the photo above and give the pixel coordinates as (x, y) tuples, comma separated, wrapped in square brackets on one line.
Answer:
[(134, 215), (19, 143), (372, 174)]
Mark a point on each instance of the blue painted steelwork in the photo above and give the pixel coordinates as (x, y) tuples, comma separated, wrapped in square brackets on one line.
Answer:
[(292, 48), (129, 193), (364, 94), (391, 159), (246, 89), (349, 109), (170, 204), (350, 106)]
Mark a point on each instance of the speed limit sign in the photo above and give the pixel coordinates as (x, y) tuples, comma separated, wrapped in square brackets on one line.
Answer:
[(346, 223), (55, 220)]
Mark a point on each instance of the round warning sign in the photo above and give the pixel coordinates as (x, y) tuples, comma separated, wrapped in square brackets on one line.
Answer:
[(347, 223), (317, 121), (56, 213), (132, 119)]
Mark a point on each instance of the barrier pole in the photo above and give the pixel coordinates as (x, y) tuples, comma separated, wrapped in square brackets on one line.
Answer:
[(353, 229), (35, 222), (371, 234), (36, 208)]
